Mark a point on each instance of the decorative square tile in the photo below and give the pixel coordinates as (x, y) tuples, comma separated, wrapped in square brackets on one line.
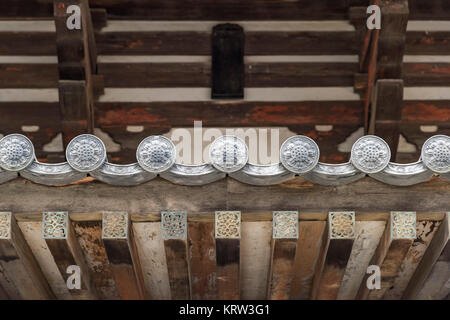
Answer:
[(5, 225), (54, 225), (173, 225), (285, 224), (228, 225), (403, 225), (342, 225), (115, 225)]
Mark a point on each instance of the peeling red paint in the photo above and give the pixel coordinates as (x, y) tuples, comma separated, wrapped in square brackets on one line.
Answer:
[(425, 112), (130, 116)]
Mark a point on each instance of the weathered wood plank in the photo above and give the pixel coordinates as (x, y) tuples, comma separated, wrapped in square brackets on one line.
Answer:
[(61, 240), (390, 253), (228, 261), (368, 234), (431, 276), (255, 246), (228, 234), (118, 240), (336, 248), (202, 260), (425, 233), (306, 258), (177, 267), (427, 42), (76, 63), (363, 196), (230, 114), (282, 268), (394, 19), (19, 263), (153, 259), (89, 234)]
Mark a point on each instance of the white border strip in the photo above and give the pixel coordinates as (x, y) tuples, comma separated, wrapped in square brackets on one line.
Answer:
[(426, 93), (251, 94), (430, 25), (248, 59), (206, 26), (29, 59), (29, 95), (426, 59), (204, 94), (196, 26)]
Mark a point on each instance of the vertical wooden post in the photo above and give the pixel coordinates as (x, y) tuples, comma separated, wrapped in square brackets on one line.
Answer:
[(61, 240), (174, 234), (284, 246), (123, 257), (228, 235), (394, 244), (77, 63), (202, 260), (18, 261), (227, 62), (335, 253)]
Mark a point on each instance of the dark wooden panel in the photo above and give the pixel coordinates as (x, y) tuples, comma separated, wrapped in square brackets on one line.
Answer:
[(227, 62), (89, 234), (195, 10), (429, 9), (229, 114), (28, 76), (187, 43), (18, 262), (426, 74), (308, 248), (228, 262), (155, 75), (199, 43), (27, 43), (427, 42), (431, 112)]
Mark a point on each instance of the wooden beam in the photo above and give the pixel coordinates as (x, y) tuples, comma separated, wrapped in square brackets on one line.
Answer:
[(427, 199), (89, 235), (306, 258), (284, 245), (174, 234), (19, 263), (202, 260), (336, 249), (386, 112), (228, 234), (120, 247), (430, 280), (425, 233), (61, 240), (390, 253), (76, 64)]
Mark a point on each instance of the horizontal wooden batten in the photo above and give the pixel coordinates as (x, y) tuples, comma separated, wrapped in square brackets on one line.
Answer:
[(223, 10), (194, 10), (197, 74), (229, 114), (143, 75), (187, 43)]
